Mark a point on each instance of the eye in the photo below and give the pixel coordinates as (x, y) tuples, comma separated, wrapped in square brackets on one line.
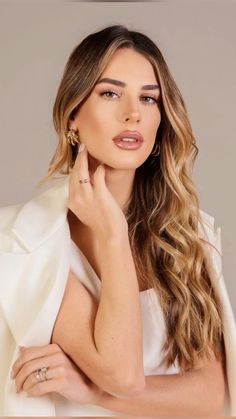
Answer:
[(108, 94), (151, 100)]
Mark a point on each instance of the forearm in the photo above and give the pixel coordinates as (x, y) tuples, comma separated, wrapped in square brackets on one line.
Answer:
[(118, 323), (104, 338), (170, 395)]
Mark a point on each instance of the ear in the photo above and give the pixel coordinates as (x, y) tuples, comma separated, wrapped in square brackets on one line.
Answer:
[(73, 119), (72, 124)]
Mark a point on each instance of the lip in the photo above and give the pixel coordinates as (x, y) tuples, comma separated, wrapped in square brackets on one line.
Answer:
[(128, 145), (129, 134)]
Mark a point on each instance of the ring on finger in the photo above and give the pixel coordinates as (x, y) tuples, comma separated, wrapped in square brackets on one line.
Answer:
[(41, 374), (85, 180)]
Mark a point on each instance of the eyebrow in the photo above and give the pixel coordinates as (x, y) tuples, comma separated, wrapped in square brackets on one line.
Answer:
[(123, 84)]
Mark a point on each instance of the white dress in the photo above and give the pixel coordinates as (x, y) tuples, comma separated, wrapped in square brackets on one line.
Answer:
[(153, 335)]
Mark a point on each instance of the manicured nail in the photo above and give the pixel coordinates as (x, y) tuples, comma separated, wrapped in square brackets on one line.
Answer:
[(81, 147)]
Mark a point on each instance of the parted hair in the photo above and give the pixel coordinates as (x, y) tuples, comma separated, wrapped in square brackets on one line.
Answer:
[(163, 210)]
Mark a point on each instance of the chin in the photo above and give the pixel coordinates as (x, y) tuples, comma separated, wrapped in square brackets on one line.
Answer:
[(131, 163), (124, 165)]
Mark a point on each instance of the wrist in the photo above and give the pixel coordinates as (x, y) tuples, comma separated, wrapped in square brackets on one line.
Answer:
[(98, 395), (116, 237)]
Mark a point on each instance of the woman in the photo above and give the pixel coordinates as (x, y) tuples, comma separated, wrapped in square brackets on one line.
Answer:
[(116, 286)]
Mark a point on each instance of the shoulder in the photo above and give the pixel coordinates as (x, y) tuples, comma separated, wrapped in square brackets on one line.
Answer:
[(207, 228), (211, 240), (8, 215), (31, 223), (207, 219)]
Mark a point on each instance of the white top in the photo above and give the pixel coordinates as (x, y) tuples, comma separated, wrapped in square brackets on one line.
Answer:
[(35, 253), (153, 334)]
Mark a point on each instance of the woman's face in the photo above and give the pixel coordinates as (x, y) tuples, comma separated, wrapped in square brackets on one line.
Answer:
[(127, 102)]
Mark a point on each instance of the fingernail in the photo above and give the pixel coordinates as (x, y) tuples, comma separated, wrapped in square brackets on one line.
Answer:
[(12, 373), (81, 147)]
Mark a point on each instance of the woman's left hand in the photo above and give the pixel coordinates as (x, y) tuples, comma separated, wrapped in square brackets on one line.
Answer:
[(62, 375)]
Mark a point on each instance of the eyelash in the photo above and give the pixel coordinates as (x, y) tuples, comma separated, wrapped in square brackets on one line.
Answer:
[(148, 103)]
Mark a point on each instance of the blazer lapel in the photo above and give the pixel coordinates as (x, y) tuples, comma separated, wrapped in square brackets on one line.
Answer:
[(38, 261), (41, 216)]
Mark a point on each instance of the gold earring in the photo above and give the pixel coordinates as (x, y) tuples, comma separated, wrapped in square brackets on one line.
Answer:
[(156, 151), (72, 137)]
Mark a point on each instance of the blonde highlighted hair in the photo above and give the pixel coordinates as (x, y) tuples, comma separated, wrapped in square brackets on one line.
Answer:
[(163, 211)]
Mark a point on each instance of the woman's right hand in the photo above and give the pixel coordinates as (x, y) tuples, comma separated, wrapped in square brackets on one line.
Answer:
[(92, 203), (62, 375)]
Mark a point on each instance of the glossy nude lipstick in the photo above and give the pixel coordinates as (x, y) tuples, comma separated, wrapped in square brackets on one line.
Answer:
[(128, 140)]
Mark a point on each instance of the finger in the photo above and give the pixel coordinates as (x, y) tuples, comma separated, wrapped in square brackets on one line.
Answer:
[(45, 387), (32, 366), (28, 354), (99, 178), (80, 171), (81, 161), (51, 373)]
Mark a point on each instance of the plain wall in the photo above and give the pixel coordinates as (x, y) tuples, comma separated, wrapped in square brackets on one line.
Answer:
[(198, 41)]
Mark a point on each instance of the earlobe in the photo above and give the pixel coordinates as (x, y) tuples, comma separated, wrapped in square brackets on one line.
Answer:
[(71, 125), (73, 136)]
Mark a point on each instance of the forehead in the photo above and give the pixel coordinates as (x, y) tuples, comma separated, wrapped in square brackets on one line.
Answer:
[(129, 65)]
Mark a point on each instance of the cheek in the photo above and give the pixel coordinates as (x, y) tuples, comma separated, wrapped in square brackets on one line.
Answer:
[(157, 118), (92, 124), (151, 111), (152, 122)]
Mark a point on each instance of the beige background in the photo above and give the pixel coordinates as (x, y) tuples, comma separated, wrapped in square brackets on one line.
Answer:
[(198, 40)]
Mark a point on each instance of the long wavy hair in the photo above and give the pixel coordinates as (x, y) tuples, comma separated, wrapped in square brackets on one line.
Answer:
[(163, 211)]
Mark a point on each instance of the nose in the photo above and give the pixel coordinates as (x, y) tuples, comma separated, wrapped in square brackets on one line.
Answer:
[(131, 112), (131, 116)]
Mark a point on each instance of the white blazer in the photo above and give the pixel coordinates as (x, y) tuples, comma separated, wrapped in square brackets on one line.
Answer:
[(34, 264)]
